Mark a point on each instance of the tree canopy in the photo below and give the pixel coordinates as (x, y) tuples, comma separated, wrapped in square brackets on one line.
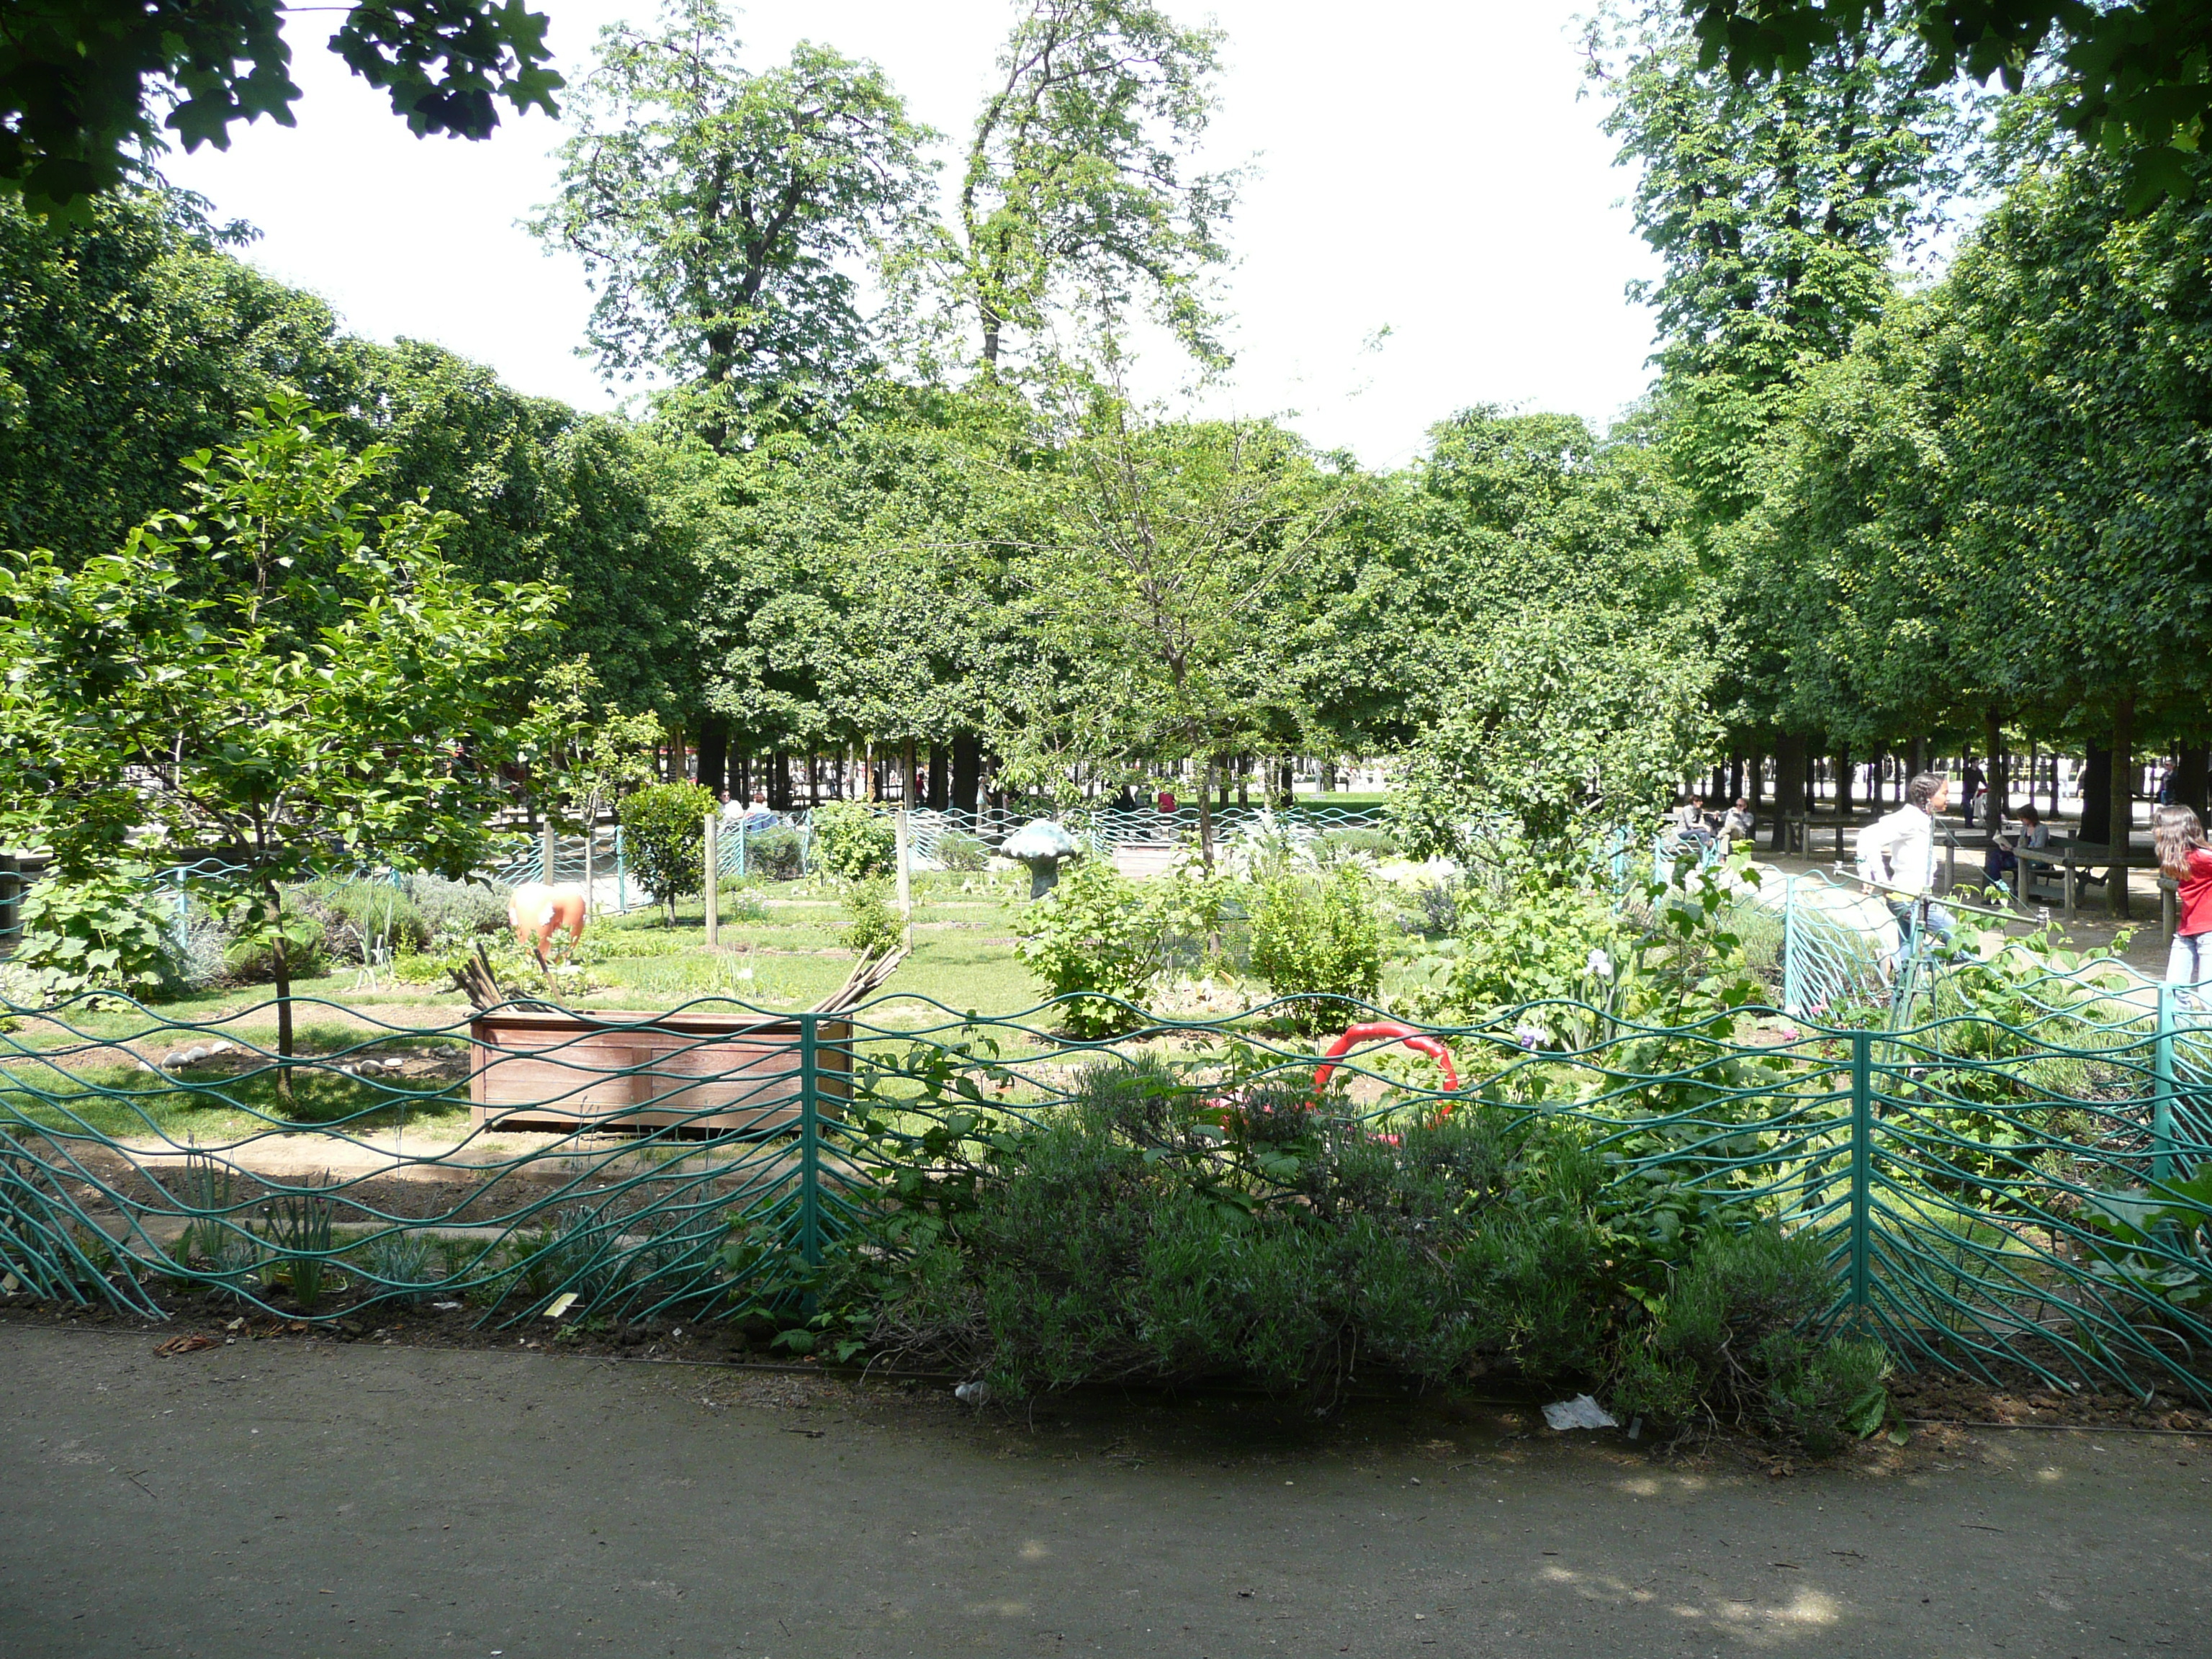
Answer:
[(84, 83)]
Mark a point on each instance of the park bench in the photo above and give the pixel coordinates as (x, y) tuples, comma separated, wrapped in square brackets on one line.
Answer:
[(2074, 863)]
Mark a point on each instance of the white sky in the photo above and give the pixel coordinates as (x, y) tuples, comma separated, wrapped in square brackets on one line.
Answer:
[(1425, 164)]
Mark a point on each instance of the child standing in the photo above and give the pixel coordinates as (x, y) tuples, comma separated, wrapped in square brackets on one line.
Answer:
[(2178, 835)]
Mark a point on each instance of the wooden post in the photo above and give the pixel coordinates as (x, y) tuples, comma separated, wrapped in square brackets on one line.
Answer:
[(547, 854), (905, 873), (714, 850)]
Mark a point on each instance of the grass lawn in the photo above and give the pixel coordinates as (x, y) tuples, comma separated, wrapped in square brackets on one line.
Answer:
[(778, 948), (779, 951)]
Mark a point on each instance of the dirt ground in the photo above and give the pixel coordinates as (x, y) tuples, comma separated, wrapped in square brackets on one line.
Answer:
[(316, 1498)]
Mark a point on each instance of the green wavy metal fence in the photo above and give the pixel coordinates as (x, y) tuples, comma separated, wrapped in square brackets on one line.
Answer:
[(2023, 1195)]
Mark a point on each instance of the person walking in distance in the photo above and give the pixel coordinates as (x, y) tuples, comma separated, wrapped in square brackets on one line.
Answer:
[(1897, 855), (2177, 835)]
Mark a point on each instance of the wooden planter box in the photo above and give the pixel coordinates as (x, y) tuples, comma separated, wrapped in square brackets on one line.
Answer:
[(623, 1071)]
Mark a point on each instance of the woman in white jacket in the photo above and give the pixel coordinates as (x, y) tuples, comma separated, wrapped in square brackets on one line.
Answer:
[(1897, 853)]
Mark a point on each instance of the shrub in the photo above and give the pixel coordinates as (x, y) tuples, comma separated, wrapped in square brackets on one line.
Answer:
[(1734, 1338), (958, 850), (364, 920), (872, 927), (1162, 1232), (852, 842), (1531, 945), (107, 932), (777, 855), (253, 960), (665, 840), (1318, 938), (458, 909), (1092, 937), (1436, 909), (1372, 843)]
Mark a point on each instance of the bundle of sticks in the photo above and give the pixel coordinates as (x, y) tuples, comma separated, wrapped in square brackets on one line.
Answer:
[(477, 982), (869, 975)]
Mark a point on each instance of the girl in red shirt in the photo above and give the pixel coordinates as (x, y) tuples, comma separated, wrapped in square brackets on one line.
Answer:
[(2178, 835)]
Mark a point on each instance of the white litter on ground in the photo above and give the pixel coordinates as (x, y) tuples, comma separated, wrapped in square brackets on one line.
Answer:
[(1580, 1413)]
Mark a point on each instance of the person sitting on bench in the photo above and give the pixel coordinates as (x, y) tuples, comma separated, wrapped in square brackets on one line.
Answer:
[(2001, 860)]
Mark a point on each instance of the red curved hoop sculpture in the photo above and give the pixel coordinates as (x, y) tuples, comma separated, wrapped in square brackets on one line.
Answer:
[(1387, 1031)]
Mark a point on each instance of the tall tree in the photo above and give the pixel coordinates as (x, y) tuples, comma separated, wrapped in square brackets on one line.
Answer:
[(1080, 181), (1778, 210), (1164, 589), (720, 212), (126, 341), (342, 702)]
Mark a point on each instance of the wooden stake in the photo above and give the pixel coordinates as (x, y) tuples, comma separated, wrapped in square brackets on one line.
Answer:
[(713, 878)]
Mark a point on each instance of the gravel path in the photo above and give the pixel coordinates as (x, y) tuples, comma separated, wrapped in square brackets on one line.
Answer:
[(315, 1498)]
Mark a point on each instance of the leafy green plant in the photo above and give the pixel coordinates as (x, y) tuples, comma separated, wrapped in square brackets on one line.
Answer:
[(852, 843), (1735, 1337), (774, 855), (1318, 938), (2155, 1242), (1531, 944), (301, 1232), (458, 909), (665, 840), (1092, 937), (107, 931), (872, 927), (250, 956), (403, 1263), (366, 921), (958, 850)]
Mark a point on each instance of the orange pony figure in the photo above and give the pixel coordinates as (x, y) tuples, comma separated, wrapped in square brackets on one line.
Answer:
[(537, 911)]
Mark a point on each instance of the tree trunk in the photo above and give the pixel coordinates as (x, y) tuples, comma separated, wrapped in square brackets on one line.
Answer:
[(778, 782), (2000, 770), (1735, 778), (280, 964), (2096, 791), (1205, 817), (940, 782), (1788, 785), (2190, 763), (1244, 779), (1919, 756), (1217, 772), (1754, 778), (967, 771), (713, 753), (2124, 797), (1843, 764)]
